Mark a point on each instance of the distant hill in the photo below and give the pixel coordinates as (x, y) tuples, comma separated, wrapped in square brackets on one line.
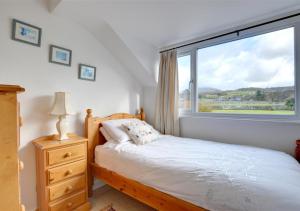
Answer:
[(273, 94), (251, 98), (271, 89), (207, 90)]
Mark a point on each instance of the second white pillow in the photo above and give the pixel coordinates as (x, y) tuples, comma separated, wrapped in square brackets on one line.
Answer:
[(116, 131), (106, 135)]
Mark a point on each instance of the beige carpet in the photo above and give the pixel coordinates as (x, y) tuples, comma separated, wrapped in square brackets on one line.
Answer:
[(105, 198), (108, 208)]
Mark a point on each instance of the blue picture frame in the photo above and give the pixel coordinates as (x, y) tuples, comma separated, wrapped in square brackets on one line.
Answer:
[(59, 55), (26, 33), (87, 72)]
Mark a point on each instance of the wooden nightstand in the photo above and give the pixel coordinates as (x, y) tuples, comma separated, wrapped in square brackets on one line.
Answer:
[(61, 173)]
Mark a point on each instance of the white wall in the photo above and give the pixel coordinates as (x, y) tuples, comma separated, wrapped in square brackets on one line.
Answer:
[(114, 90), (149, 94), (273, 135)]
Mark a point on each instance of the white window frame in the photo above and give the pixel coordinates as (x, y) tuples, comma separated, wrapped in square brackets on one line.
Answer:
[(275, 26)]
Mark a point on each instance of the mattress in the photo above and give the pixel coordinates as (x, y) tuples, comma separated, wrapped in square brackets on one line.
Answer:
[(212, 175)]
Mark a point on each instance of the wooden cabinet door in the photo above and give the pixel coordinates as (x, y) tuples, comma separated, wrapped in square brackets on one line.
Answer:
[(9, 162)]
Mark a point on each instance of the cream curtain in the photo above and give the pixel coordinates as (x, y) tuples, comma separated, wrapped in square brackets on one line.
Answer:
[(166, 108)]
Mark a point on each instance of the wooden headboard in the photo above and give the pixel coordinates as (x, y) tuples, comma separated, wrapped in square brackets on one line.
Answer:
[(92, 133)]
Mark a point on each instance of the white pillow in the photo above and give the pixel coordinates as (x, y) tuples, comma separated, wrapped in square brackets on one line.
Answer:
[(106, 135), (141, 132), (116, 131)]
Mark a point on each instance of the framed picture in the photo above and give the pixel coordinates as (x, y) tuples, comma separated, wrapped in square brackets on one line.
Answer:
[(87, 72), (59, 55), (26, 33)]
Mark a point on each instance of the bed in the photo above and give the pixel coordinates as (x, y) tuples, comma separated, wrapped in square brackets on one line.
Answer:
[(174, 173)]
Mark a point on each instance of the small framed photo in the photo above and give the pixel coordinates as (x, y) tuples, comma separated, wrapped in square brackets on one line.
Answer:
[(59, 55), (87, 72), (26, 33)]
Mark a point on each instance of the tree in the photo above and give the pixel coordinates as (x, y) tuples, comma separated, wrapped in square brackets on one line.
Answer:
[(290, 103), (260, 96)]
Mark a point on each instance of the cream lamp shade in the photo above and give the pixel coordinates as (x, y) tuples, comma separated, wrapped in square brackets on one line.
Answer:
[(61, 104)]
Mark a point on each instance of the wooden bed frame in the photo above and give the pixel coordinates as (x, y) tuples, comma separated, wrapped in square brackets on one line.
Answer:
[(150, 196)]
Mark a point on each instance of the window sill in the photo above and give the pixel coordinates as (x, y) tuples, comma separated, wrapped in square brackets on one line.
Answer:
[(292, 119)]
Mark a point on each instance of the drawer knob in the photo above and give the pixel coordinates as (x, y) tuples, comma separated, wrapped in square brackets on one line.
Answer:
[(70, 204), (69, 188), (68, 154), (69, 172)]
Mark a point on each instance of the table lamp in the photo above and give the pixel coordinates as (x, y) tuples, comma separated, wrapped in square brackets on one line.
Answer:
[(61, 108)]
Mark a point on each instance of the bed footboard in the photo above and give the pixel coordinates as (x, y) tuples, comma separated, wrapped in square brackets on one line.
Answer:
[(297, 150), (147, 195)]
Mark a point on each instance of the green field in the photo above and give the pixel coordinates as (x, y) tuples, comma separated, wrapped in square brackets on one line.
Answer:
[(251, 100), (261, 112), (259, 101)]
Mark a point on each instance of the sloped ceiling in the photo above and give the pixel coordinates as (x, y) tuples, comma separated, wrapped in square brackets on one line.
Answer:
[(135, 30)]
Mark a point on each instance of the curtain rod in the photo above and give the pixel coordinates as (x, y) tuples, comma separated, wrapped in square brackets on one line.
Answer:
[(235, 31)]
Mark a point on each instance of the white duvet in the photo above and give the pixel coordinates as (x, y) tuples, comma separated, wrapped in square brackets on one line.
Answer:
[(212, 175)]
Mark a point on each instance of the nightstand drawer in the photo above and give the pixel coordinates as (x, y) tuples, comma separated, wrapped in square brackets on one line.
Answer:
[(69, 203), (57, 156), (63, 172), (67, 187)]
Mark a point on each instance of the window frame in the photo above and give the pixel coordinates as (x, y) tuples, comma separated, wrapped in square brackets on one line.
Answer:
[(191, 83), (192, 50)]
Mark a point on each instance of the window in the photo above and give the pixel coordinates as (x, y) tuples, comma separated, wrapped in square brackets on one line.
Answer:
[(249, 74), (184, 78)]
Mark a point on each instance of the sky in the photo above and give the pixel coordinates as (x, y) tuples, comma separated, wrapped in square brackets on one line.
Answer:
[(262, 61)]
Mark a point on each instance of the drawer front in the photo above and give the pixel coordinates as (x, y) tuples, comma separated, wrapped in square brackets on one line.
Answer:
[(69, 203), (57, 156), (67, 187), (63, 172)]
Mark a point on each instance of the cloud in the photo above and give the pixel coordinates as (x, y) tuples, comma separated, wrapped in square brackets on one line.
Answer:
[(263, 61), (184, 74), (278, 44)]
